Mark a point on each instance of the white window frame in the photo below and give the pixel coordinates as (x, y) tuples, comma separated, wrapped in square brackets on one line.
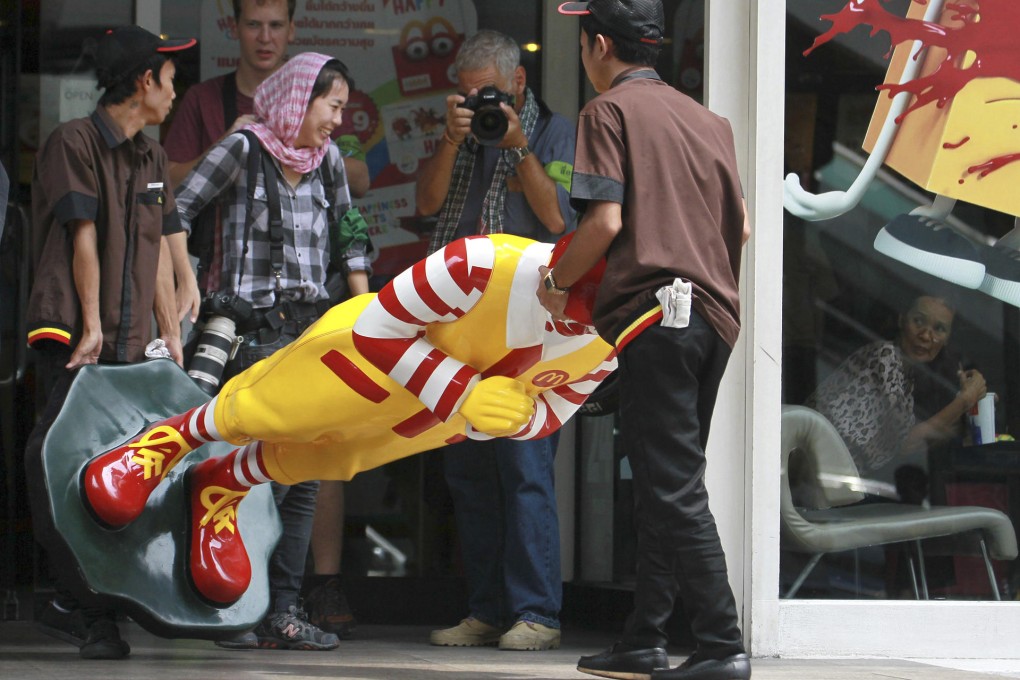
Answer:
[(745, 48)]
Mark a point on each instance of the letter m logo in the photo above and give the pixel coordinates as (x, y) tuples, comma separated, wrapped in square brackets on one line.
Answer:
[(550, 379)]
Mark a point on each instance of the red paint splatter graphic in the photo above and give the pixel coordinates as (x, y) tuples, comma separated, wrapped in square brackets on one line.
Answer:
[(985, 29), (994, 164), (955, 145)]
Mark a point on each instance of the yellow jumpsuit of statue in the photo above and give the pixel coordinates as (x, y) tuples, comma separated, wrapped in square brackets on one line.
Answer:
[(325, 411)]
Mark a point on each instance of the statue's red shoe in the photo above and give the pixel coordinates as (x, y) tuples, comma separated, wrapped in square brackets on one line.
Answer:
[(220, 570), (117, 483)]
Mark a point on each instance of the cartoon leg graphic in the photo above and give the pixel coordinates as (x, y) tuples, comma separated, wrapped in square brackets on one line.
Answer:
[(1002, 267), (926, 241), (117, 484), (218, 564)]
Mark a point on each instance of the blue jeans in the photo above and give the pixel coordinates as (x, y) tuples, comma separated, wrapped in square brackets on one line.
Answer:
[(296, 505), (505, 505)]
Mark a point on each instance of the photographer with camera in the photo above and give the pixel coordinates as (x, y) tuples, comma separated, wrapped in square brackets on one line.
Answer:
[(503, 165), (505, 159), (284, 188)]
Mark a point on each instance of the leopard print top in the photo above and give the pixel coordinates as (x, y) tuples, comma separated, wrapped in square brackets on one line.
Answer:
[(870, 401)]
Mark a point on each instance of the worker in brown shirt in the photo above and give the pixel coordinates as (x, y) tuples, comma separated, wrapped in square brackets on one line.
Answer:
[(656, 176), (104, 223)]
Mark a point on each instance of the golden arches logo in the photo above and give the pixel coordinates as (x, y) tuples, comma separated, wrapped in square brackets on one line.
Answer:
[(221, 506), (550, 379), (159, 450)]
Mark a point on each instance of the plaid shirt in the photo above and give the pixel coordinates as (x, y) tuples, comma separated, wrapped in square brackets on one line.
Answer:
[(222, 173)]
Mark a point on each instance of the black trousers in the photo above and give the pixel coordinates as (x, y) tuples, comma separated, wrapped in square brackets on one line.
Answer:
[(54, 382), (669, 379)]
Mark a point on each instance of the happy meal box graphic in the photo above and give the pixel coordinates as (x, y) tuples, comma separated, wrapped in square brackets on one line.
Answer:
[(413, 128), (424, 56), (947, 120)]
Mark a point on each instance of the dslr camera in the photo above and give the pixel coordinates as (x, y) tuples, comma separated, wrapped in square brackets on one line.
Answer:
[(489, 124), (219, 340), (233, 307)]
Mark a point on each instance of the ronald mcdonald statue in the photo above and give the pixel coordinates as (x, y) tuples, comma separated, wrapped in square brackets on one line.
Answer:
[(456, 346)]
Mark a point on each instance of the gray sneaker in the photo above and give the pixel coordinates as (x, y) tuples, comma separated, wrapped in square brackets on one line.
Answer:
[(932, 246), (292, 630), (1002, 274)]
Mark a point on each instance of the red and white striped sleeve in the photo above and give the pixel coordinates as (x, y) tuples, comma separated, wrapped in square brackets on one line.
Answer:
[(390, 332), (554, 407)]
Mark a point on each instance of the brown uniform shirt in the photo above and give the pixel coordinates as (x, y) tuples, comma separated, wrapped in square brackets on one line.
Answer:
[(671, 165), (88, 170)]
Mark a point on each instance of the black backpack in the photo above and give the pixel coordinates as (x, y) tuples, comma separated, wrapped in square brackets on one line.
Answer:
[(201, 241)]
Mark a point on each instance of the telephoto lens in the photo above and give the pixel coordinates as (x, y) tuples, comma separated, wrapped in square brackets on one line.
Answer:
[(212, 353)]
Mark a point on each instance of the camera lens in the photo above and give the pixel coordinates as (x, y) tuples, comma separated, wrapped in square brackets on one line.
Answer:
[(212, 354), (489, 125)]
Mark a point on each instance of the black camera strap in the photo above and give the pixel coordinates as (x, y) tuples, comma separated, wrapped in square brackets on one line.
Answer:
[(229, 92), (275, 220), (333, 219)]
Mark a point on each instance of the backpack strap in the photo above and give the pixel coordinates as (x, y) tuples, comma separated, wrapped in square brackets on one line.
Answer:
[(332, 216), (255, 154), (205, 228), (229, 99), (329, 187)]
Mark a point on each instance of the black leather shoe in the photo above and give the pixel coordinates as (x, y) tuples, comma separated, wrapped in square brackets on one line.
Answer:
[(625, 662), (736, 667)]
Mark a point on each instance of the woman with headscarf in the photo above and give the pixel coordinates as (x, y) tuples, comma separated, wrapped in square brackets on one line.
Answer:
[(272, 283), (296, 109)]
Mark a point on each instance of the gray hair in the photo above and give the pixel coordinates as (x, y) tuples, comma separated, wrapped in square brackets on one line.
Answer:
[(489, 48)]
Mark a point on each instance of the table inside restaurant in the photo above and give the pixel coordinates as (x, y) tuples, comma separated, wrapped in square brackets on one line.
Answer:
[(986, 475), (995, 463)]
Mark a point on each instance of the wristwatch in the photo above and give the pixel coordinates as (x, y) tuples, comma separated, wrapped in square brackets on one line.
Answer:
[(518, 153), (550, 285)]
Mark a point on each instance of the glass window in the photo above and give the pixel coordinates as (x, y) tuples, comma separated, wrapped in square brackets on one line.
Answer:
[(57, 83), (895, 325)]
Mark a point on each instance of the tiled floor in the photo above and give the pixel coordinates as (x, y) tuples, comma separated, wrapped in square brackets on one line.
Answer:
[(396, 653)]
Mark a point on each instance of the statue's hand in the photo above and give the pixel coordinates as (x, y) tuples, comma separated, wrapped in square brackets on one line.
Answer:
[(498, 406)]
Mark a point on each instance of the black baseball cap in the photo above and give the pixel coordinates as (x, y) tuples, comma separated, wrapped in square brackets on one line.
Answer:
[(639, 20), (123, 49)]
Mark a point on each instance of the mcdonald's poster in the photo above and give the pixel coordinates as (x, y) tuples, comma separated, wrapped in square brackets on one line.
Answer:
[(400, 54)]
